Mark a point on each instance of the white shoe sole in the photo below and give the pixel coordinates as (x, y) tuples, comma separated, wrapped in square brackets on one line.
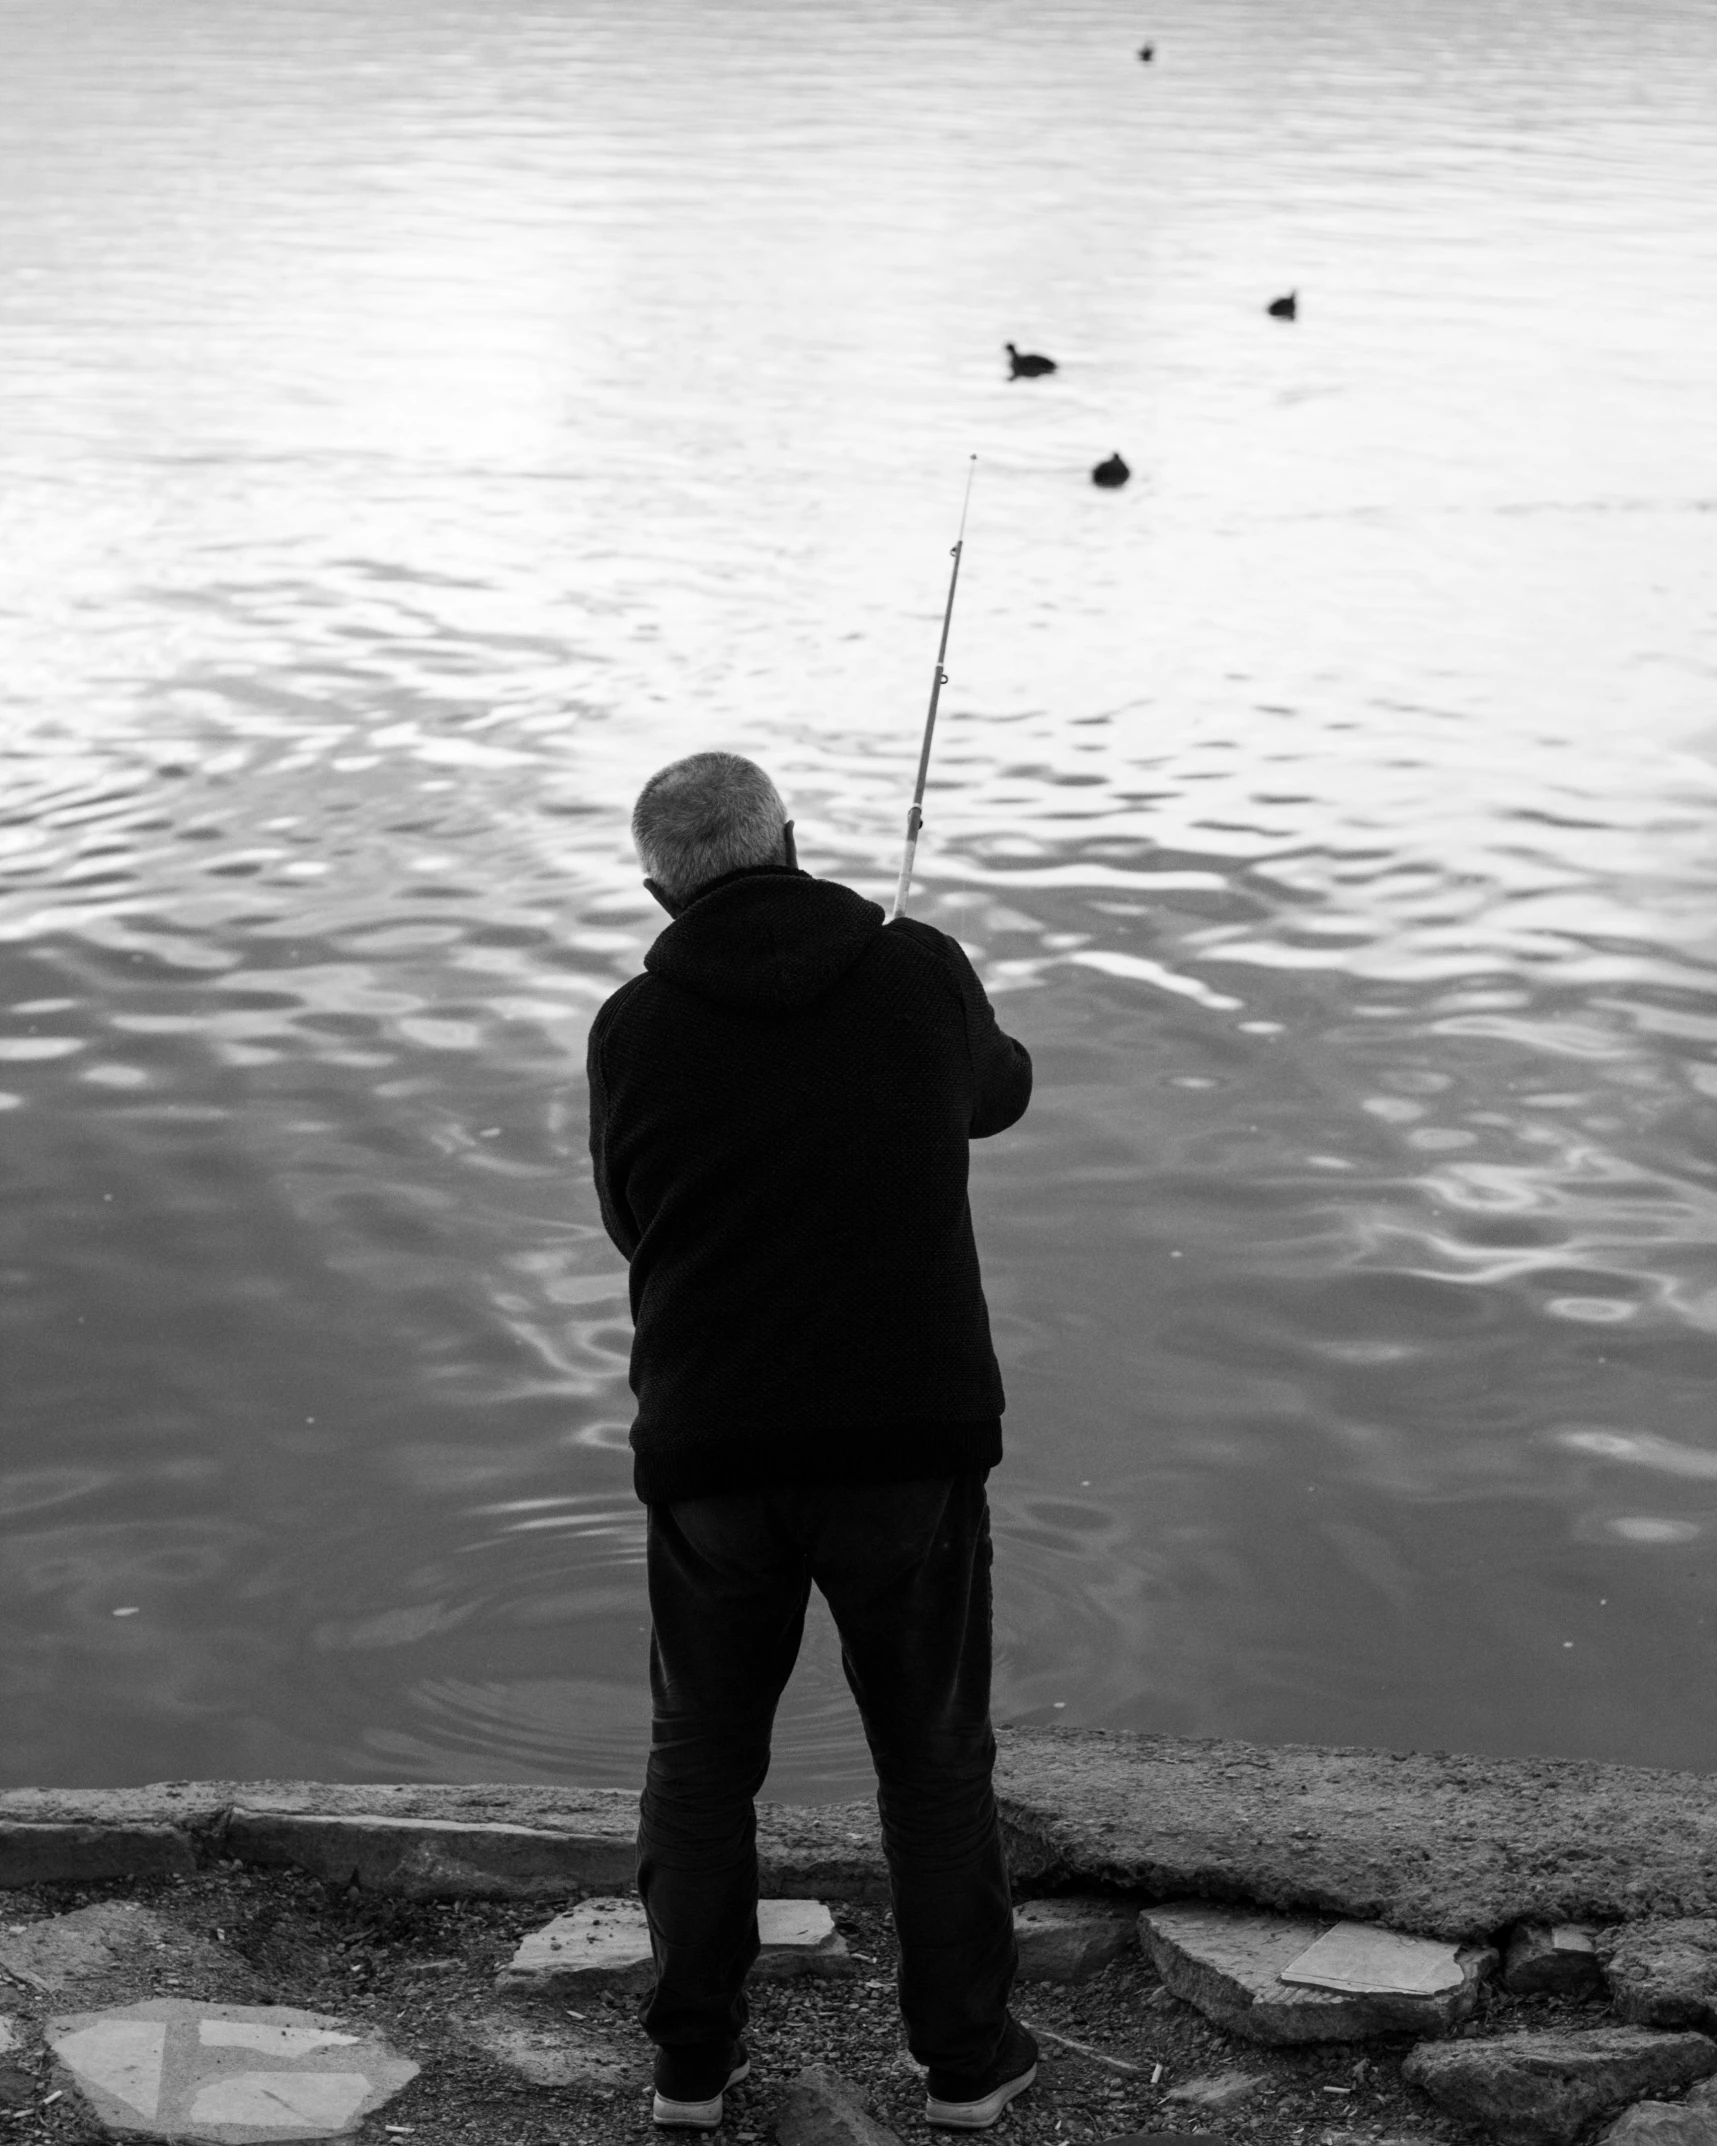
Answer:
[(694, 2115), (976, 2115)]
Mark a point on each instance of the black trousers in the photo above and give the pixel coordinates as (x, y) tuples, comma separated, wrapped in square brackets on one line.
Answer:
[(905, 1568)]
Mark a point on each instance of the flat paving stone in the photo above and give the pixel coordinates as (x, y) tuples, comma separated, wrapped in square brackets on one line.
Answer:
[(229, 2074), (1363, 1960), (606, 1944), (1230, 1962), (1552, 2086), (1069, 1940)]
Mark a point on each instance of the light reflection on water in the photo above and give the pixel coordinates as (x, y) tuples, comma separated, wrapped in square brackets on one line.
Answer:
[(423, 422)]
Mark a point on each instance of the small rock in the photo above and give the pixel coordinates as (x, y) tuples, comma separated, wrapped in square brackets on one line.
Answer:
[(542, 2054), (1550, 1959), (821, 2108), (1229, 1961), (178, 2070), (17, 2088), (1664, 1974), (1222, 2090), (1069, 1940), (606, 1944), (1692, 2122), (9, 2035), (1551, 2086)]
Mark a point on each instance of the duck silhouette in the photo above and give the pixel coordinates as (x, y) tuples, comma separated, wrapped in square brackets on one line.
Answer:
[(1025, 364), (1111, 474), (1147, 52), (1287, 308)]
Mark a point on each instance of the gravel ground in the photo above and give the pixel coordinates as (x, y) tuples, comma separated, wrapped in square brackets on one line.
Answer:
[(423, 1972)]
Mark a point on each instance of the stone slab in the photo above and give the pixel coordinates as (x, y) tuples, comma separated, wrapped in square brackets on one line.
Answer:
[(1432, 1843), (1550, 2087), (227, 2074), (1559, 1961), (600, 1944), (606, 1944), (823, 2108), (1069, 1940), (1229, 1961), (1664, 1974)]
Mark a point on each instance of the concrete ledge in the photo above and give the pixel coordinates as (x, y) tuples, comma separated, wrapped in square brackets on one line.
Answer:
[(84, 1853), (1438, 1844), (426, 1840), (432, 1858)]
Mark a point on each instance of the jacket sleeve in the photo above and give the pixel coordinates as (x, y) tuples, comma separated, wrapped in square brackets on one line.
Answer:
[(1001, 1068), (616, 1215)]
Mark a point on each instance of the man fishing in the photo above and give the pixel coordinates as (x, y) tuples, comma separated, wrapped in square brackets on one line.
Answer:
[(780, 1113)]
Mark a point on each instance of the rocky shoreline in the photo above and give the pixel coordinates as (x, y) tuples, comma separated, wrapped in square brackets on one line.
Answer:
[(1173, 1881)]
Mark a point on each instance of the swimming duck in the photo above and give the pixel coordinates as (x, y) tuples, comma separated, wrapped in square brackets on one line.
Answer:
[(1287, 308), (1147, 52), (1025, 365), (1111, 474)]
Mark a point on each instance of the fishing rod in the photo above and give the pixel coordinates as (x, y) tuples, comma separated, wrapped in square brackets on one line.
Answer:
[(915, 816)]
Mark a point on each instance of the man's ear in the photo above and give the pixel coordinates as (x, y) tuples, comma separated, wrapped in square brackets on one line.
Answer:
[(664, 897), (789, 854)]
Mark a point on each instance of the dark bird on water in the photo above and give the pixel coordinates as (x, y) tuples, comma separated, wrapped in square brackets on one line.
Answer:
[(1284, 308), (1111, 474), (1147, 52), (1026, 364)]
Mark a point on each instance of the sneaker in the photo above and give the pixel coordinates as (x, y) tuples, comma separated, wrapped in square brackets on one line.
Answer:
[(689, 2087), (973, 2101)]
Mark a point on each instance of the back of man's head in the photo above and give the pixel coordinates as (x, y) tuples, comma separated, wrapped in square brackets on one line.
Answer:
[(704, 816)]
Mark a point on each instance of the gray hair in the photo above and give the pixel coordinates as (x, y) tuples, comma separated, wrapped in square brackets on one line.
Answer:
[(706, 815)]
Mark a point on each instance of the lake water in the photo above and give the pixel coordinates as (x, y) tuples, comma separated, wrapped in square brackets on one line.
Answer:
[(422, 418)]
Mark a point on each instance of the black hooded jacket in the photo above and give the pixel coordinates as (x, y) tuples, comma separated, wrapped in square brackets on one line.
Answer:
[(780, 1108)]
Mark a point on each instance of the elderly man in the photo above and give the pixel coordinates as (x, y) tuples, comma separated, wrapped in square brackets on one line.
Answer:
[(780, 1112)]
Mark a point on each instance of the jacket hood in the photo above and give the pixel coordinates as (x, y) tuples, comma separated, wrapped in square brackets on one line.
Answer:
[(768, 940)]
